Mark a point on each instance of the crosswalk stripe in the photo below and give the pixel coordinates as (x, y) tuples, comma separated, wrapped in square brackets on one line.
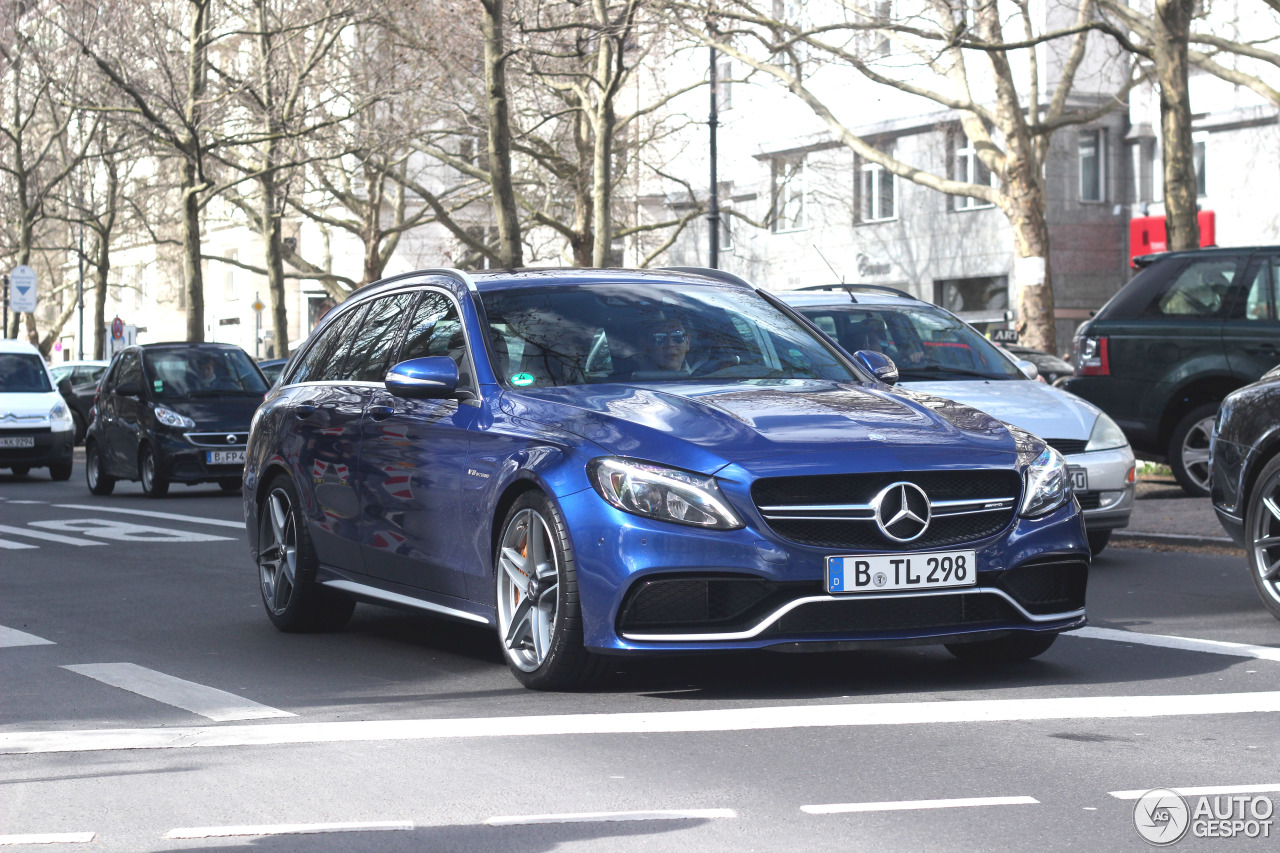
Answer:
[(46, 536), (146, 513), (913, 805), (715, 720), (11, 638), (217, 705), (1186, 644)]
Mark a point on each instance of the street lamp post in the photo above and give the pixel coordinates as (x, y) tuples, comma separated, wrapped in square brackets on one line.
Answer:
[(713, 204)]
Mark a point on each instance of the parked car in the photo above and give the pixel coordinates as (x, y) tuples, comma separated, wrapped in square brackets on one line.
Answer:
[(1245, 465), (173, 413), (1050, 367), (937, 353), (36, 428), (271, 368), (82, 377), (1161, 355), (600, 462)]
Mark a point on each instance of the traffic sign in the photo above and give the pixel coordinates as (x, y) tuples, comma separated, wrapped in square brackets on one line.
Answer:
[(258, 306), (22, 289), (117, 329), (1004, 336)]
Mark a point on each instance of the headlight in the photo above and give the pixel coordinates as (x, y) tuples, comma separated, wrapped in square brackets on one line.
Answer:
[(169, 417), (662, 493), (1105, 435), (60, 418), (1046, 484)]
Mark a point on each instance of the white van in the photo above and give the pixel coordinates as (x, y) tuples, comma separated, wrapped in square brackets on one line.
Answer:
[(36, 428)]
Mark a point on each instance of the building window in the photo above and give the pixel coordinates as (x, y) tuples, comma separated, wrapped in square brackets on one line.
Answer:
[(229, 290), (786, 211), (876, 42), (970, 169), (877, 193), (1092, 157), (726, 231), (1199, 145)]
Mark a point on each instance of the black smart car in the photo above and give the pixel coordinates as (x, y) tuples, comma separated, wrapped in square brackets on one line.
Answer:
[(1183, 334), (173, 413)]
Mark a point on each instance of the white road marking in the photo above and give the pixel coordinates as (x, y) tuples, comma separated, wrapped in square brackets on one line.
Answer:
[(1186, 644), (735, 719), (1206, 792), (217, 705), (607, 817), (48, 838), (146, 513), (286, 829), (47, 537), (12, 638), (124, 531), (912, 805), (15, 546), (28, 502)]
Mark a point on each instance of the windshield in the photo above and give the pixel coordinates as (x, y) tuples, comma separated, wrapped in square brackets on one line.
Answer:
[(651, 333), (21, 373), (189, 373), (925, 343)]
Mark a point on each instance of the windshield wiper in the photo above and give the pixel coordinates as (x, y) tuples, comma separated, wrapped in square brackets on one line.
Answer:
[(947, 371)]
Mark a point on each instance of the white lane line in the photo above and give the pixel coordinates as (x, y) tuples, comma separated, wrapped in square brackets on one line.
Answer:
[(723, 720), (47, 537), (217, 705), (48, 838), (28, 502), (608, 817), (15, 546), (146, 513), (1186, 644), (286, 829), (11, 638), (912, 805), (1206, 791)]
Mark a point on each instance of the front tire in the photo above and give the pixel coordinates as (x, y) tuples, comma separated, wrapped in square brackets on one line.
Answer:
[(1014, 647), (539, 612), (61, 471), (229, 485), (1189, 449), (21, 470), (287, 564), (1098, 540), (153, 485), (99, 483), (1262, 533)]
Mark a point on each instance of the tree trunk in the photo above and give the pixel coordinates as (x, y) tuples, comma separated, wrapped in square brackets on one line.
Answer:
[(192, 274), (1026, 211), (495, 80), (192, 175), (101, 269), (274, 248), (602, 164), (1172, 28)]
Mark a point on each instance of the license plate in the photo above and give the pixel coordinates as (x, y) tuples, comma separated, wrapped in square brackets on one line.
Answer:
[(18, 441), (224, 457), (891, 572), (1079, 479)]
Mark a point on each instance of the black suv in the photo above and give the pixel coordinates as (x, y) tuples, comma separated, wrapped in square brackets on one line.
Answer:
[(1161, 355), (173, 413)]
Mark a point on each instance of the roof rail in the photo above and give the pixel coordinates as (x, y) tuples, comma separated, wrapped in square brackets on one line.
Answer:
[(850, 288), (713, 273)]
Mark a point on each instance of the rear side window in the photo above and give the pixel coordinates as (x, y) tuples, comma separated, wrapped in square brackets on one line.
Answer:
[(1255, 298), (318, 362), (370, 343), (1200, 289)]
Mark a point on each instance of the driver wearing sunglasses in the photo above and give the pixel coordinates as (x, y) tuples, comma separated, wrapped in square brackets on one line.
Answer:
[(666, 344)]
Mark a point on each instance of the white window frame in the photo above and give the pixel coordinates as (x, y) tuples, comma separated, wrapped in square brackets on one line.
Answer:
[(1200, 161), (968, 167), (870, 194), (787, 193), (1097, 138)]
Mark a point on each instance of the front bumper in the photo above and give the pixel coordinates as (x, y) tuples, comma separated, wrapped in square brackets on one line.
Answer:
[(48, 448), (180, 461), (1108, 502)]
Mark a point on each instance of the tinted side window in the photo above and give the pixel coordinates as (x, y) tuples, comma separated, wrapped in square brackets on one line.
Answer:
[(436, 329), (1200, 289), (130, 369), (1255, 298), (372, 341), (318, 359)]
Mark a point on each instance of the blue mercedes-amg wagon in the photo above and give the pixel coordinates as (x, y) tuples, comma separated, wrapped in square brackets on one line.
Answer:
[(605, 462)]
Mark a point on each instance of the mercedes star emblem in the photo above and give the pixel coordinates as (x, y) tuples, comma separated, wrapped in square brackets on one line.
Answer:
[(902, 511)]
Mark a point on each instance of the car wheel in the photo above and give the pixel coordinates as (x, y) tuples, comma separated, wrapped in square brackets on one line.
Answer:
[(539, 613), (229, 484), (287, 568), (1014, 647), (21, 470), (1189, 449), (153, 485), (1098, 540), (81, 426), (98, 482), (1262, 535), (61, 471)]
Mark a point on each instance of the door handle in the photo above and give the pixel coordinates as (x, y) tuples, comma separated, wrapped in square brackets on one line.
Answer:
[(304, 410), (380, 411)]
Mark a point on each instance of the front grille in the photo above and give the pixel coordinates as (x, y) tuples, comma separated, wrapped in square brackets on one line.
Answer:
[(878, 615), (218, 439), (861, 533), (12, 431), (1048, 586), (1089, 500), (706, 604), (1067, 446)]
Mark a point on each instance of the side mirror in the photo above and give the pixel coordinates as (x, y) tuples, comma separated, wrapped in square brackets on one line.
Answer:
[(64, 388), (432, 378), (129, 389), (1028, 369), (878, 364)]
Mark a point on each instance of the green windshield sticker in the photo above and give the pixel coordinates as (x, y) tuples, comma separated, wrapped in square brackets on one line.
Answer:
[(522, 379), (159, 386)]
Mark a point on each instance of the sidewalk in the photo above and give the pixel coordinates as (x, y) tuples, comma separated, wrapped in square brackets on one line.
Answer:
[(1165, 514)]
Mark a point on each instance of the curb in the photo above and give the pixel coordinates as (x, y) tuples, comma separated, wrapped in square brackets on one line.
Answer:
[(1175, 539)]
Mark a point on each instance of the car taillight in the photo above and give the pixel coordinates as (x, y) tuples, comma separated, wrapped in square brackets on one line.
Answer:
[(1092, 358)]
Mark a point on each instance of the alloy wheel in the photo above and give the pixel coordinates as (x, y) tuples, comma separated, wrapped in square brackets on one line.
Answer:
[(1264, 530), (528, 590), (1195, 452), (278, 552)]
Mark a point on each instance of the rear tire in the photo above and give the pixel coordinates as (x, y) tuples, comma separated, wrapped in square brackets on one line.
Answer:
[(1015, 647), (229, 484), (1189, 449), (287, 563), (153, 485), (1098, 540), (98, 482)]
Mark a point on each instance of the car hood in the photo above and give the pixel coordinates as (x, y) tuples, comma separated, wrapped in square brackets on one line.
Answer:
[(772, 427), (215, 414), (27, 408), (1038, 408)]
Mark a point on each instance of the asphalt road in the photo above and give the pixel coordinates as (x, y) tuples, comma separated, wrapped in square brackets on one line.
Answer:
[(146, 703)]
